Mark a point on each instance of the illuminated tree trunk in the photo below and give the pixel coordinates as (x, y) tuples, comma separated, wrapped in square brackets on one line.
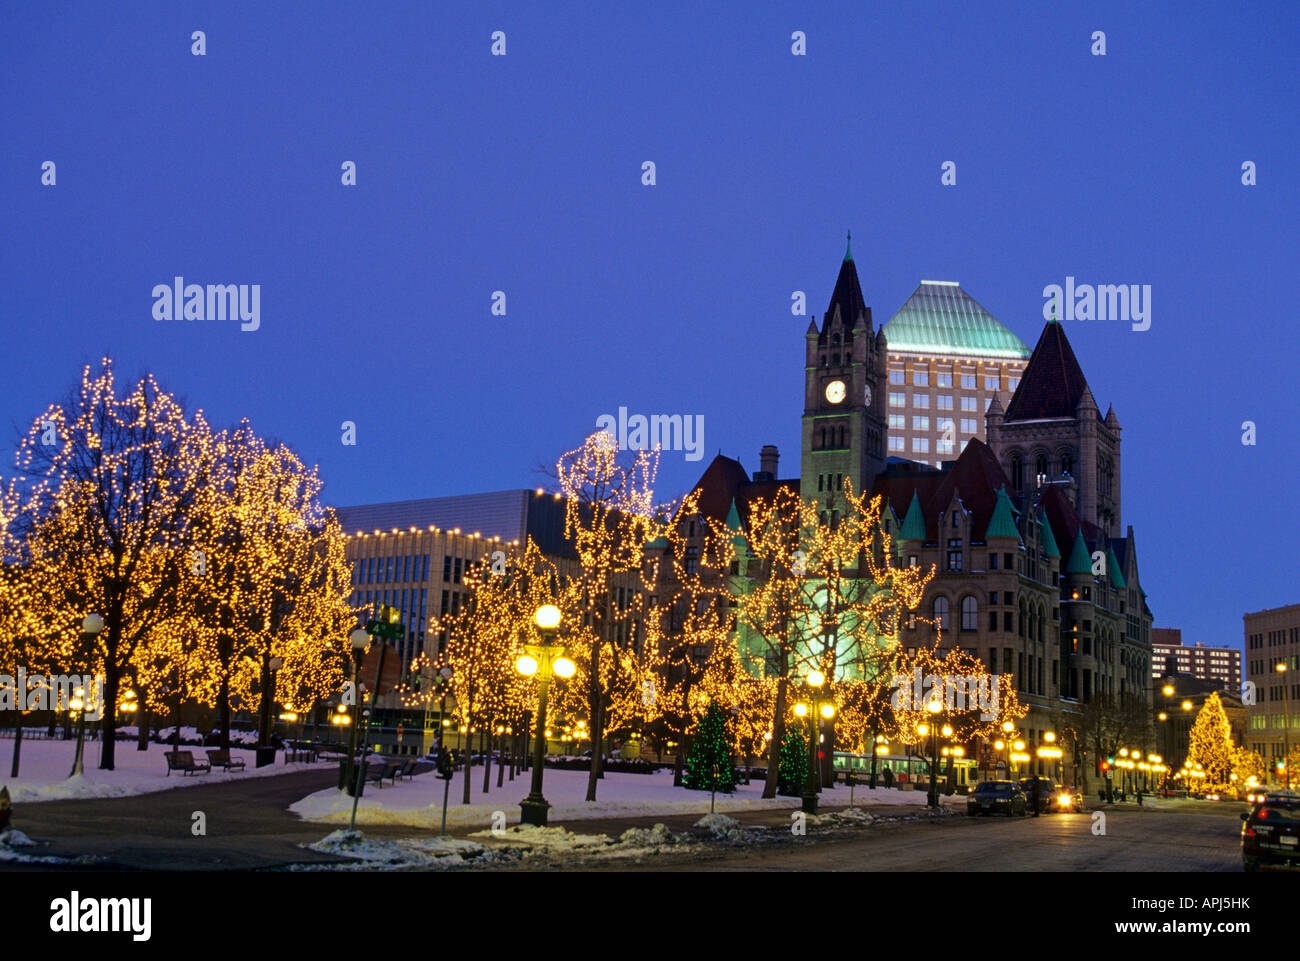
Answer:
[(18, 734), (142, 730), (778, 734)]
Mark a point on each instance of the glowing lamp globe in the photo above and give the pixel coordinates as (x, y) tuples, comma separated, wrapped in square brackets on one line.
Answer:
[(547, 617), (563, 667), (526, 665)]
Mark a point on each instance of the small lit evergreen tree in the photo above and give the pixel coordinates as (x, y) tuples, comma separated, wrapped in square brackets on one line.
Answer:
[(709, 766), (1211, 743), (792, 768)]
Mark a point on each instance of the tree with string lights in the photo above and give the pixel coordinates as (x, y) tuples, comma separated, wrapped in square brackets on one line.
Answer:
[(819, 591), (609, 520), (1210, 744), (116, 474)]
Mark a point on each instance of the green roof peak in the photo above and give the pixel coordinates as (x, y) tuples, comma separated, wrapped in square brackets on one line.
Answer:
[(1003, 522), (1112, 568), (848, 246), (1049, 539), (941, 318), (914, 522), (1080, 560), (734, 525)]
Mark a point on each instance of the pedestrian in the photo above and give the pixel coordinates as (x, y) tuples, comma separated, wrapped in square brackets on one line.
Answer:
[(889, 777), (1034, 793), (1139, 793)]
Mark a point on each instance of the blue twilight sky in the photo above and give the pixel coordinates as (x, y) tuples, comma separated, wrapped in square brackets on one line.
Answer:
[(522, 173)]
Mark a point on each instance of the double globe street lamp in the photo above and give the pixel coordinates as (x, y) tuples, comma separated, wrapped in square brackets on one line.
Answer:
[(543, 660), (817, 710)]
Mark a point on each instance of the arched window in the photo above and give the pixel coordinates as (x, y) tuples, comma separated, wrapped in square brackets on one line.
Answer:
[(835, 357), (1040, 465), (941, 612), (969, 613), (1017, 473), (1067, 462)]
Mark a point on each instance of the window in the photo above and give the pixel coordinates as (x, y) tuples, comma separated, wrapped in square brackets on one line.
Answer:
[(897, 443), (943, 446), (969, 613), (987, 401), (945, 401), (446, 569), (897, 400), (897, 421), (991, 383), (920, 422), (954, 560), (941, 612), (993, 564), (968, 425), (920, 378), (968, 381), (1013, 383), (968, 403), (1017, 474), (920, 445), (406, 568), (993, 620), (921, 400), (897, 377), (455, 569), (943, 380)]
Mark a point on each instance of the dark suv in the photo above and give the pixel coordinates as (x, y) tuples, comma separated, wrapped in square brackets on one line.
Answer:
[(997, 797), (1270, 832)]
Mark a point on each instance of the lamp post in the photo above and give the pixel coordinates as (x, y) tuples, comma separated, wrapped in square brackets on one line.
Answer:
[(1008, 731), (360, 640), (543, 660), (1286, 726), (812, 782), (91, 626)]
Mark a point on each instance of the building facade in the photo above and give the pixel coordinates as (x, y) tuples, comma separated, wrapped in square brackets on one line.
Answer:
[(948, 358), (1221, 665), (1273, 680), (1033, 576)]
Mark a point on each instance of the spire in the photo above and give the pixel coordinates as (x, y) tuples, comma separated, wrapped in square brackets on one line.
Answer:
[(1052, 319), (1080, 560), (1086, 401), (1052, 384), (848, 246), (846, 300), (1049, 539), (733, 525), (1003, 522), (1113, 569), (914, 523), (1111, 420), (995, 406)]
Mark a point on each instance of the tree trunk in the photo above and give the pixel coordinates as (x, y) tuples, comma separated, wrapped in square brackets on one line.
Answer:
[(597, 737), (679, 761), (875, 733), (109, 710), (778, 735), (223, 699), (502, 763), (468, 757), (485, 738), (142, 728), (18, 735)]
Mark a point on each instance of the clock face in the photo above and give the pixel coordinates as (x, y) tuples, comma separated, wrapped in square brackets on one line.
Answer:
[(867, 396), (835, 391)]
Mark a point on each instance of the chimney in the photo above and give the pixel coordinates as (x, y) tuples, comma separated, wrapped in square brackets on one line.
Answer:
[(768, 458)]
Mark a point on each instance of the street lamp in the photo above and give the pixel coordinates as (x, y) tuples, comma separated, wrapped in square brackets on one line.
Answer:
[(1286, 728), (91, 626), (359, 640), (817, 711), (1008, 729), (934, 705), (543, 660)]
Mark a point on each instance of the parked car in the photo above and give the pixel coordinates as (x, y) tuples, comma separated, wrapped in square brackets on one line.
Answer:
[(1270, 832), (997, 797), (1046, 789)]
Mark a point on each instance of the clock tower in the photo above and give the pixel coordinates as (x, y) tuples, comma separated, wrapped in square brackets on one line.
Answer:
[(844, 396)]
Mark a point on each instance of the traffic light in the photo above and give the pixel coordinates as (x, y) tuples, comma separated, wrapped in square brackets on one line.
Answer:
[(1105, 765)]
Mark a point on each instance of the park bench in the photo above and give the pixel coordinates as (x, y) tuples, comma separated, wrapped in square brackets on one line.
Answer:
[(222, 759), (408, 770), (389, 770), (184, 762), (303, 756)]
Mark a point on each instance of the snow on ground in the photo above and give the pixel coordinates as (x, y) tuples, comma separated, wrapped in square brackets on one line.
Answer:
[(44, 766), (418, 802)]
